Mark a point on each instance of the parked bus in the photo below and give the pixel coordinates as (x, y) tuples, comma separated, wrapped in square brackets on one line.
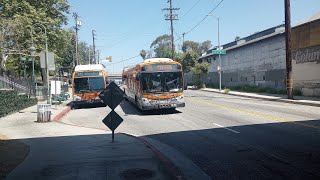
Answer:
[(87, 83), (156, 83)]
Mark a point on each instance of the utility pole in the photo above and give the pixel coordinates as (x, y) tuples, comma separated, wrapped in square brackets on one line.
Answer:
[(171, 17), (94, 46), (183, 34), (89, 56), (98, 56), (288, 49), (78, 24)]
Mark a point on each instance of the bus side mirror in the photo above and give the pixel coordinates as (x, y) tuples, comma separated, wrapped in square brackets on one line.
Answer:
[(138, 77)]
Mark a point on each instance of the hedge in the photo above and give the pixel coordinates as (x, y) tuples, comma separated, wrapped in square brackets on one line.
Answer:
[(11, 102)]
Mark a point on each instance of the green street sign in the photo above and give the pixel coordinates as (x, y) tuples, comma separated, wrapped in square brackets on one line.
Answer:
[(218, 51), (22, 59), (29, 59)]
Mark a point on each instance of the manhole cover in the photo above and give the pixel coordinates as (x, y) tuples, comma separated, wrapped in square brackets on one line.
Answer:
[(134, 174)]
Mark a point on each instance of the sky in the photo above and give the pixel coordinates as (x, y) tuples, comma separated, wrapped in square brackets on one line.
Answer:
[(124, 27)]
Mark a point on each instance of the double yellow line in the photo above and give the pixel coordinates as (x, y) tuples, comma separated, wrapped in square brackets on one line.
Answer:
[(254, 113)]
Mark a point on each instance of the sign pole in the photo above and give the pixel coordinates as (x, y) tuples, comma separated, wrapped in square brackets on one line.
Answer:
[(112, 136), (111, 92), (112, 96)]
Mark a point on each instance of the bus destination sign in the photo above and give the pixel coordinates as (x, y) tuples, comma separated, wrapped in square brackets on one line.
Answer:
[(161, 67), (80, 74)]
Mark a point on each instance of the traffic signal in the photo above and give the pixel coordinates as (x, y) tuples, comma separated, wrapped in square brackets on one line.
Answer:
[(109, 58)]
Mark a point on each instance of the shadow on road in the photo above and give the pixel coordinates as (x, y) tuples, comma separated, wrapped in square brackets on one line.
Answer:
[(88, 106), (258, 151), (131, 109)]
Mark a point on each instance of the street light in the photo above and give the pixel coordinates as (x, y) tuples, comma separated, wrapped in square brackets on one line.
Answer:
[(219, 66), (46, 61), (32, 50)]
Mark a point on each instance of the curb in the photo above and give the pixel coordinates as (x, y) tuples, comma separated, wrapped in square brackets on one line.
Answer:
[(62, 113), (169, 166), (267, 99)]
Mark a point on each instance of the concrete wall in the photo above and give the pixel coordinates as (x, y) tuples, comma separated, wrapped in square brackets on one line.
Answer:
[(261, 63), (306, 58)]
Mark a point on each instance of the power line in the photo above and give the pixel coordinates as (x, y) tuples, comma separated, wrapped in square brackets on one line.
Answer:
[(178, 38), (204, 18), (190, 9)]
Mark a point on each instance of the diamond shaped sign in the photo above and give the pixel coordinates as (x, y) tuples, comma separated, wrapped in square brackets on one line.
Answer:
[(112, 95), (113, 120)]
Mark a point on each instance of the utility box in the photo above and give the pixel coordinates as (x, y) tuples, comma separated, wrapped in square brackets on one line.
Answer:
[(43, 113)]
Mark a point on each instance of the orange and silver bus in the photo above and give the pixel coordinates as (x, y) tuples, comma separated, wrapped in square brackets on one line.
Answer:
[(87, 83), (156, 83)]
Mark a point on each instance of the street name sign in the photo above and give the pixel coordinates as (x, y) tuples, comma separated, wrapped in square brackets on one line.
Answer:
[(218, 51)]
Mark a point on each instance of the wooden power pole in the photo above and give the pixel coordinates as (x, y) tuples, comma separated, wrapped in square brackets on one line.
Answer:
[(288, 49), (171, 17)]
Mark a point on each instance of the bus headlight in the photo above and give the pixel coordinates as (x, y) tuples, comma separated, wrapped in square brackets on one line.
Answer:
[(145, 100), (180, 98), (77, 98)]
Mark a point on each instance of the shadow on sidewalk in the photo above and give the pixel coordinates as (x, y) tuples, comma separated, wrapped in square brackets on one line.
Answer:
[(88, 157), (257, 151)]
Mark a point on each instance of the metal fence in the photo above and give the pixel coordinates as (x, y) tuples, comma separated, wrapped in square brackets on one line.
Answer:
[(22, 85)]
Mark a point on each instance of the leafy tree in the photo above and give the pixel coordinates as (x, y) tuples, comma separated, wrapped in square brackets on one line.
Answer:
[(19, 19), (196, 46), (237, 38), (143, 54), (205, 46), (199, 70), (84, 49), (161, 46), (187, 60)]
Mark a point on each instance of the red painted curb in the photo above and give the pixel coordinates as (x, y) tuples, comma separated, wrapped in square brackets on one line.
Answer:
[(62, 113), (170, 167)]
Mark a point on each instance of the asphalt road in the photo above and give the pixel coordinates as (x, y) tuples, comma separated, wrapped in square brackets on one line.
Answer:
[(228, 137)]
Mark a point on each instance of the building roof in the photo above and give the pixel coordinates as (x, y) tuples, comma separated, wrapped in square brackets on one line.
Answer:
[(260, 36), (90, 67), (310, 19)]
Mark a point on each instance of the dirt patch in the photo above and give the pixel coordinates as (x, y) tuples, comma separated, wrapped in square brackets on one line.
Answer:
[(12, 153)]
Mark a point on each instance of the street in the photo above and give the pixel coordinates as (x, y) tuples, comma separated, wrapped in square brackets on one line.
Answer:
[(227, 137)]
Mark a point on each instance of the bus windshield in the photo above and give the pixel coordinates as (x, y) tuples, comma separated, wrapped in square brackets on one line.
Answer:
[(88, 84), (159, 82)]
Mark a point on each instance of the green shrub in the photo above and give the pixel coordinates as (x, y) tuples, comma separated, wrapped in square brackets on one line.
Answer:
[(282, 92), (11, 102), (297, 92), (226, 90), (271, 91)]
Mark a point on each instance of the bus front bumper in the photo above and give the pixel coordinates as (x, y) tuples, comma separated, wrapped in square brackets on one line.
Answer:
[(151, 106)]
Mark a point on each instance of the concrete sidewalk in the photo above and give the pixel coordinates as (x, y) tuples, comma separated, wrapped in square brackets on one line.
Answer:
[(310, 101), (59, 151)]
